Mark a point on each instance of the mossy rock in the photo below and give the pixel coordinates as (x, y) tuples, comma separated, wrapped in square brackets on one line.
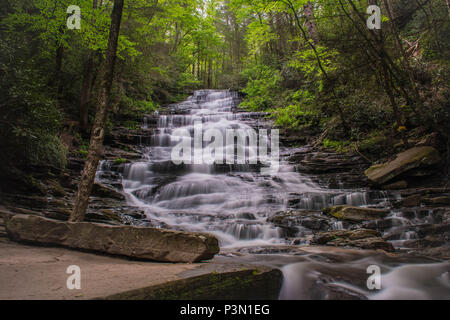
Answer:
[(355, 214)]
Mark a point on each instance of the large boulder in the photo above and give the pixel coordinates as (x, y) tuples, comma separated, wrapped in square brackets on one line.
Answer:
[(355, 214), (142, 243), (417, 157)]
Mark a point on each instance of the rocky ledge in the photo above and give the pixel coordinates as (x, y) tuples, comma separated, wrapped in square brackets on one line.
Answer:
[(355, 214), (142, 243), (256, 283), (360, 238)]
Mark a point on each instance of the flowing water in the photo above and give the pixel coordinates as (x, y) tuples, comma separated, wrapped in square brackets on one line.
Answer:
[(234, 201)]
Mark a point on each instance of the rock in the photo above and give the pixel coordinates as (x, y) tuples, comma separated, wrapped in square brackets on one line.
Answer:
[(141, 243), (103, 191), (425, 191), (417, 199), (355, 214), (433, 139), (444, 201), (411, 201), (55, 188), (253, 284), (405, 161), (115, 153), (331, 169), (325, 237), (396, 185), (360, 238), (313, 220), (435, 230), (374, 243)]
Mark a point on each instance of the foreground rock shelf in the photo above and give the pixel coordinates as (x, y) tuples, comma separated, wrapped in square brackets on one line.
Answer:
[(141, 243), (31, 272), (255, 283)]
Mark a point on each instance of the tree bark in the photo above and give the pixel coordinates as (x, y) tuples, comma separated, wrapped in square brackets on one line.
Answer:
[(85, 94), (311, 26), (98, 129)]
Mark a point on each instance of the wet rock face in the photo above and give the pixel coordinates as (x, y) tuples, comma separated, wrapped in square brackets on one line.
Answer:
[(256, 284), (103, 191), (290, 220), (416, 161), (355, 214), (331, 169), (142, 243), (360, 238)]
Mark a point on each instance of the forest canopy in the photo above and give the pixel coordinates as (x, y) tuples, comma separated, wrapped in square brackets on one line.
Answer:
[(309, 64)]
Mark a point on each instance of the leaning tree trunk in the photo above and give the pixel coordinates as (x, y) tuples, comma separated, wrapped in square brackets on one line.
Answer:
[(98, 129), (88, 76)]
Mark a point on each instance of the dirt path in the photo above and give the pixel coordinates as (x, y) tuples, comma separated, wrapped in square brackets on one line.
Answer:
[(28, 272)]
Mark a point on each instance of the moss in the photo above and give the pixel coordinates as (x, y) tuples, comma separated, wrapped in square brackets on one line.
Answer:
[(428, 156), (374, 144), (120, 161), (374, 168)]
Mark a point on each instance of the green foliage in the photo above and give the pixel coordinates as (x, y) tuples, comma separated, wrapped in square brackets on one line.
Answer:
[(375, 143), (30, 118), (84, 150), (266, 49), (339, 146), (262, 87), (292, 116)]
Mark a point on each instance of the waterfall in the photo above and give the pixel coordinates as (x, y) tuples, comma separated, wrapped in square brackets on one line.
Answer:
[(219, 198), (234, 201)]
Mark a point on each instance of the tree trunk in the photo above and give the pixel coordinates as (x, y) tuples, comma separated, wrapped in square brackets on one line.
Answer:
[(210, 74), (85, 94), (98, 129), (310, 23)]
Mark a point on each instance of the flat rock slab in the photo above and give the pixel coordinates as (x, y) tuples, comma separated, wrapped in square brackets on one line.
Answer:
[(405, 161), (141, 243)]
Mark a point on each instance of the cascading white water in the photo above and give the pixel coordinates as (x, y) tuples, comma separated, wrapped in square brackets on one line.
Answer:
[(234, 201), (230, 201)]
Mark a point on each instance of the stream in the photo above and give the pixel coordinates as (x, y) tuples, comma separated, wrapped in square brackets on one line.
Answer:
[(234, 201)]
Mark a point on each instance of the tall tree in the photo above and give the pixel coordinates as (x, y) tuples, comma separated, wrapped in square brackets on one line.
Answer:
[(98, 129), (88, 75)]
